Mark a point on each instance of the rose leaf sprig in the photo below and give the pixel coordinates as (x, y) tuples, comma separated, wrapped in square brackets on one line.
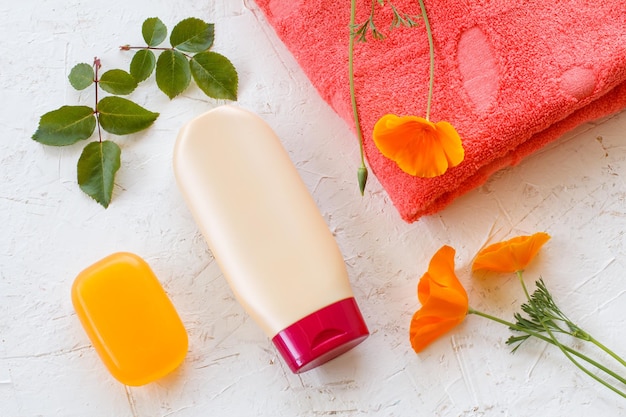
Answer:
[(100, 160), (445, 304), (176, 66)]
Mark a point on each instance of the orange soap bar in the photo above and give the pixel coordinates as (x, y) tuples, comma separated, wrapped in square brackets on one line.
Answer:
[(131, 322)]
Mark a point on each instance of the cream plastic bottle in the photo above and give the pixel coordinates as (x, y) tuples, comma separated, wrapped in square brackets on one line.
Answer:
[(268, 236)]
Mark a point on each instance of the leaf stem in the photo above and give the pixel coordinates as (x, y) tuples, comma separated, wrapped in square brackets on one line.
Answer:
[(431, 47), (362, 171), (154, 48), (96, 81)]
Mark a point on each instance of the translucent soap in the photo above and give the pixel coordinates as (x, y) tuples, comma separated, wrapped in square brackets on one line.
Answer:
[(129, 318)]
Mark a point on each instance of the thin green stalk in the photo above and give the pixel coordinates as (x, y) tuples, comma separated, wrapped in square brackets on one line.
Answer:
[(563, 348), (553, 314), (582, 356), (607, 350), (520, 276), (362, 171), (581, 367), (431, 46)]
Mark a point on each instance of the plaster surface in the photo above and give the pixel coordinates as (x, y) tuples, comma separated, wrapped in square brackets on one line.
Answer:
[(574, 189)]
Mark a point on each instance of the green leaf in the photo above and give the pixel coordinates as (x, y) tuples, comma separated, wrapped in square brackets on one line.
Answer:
[(192, 35), (215, 75), (96, 168), (65, 126), (81, 76), (154, 31), (118, 81), (172, 73), (142, 65), (121, 116)]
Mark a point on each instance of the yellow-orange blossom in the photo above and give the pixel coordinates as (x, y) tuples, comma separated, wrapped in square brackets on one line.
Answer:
[(444, 300), (419, 147), (511, 255)]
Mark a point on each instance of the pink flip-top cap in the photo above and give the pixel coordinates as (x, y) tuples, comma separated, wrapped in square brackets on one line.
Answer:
[(322, 335)]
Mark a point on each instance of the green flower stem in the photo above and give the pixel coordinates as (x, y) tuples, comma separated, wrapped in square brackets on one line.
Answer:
[(431, 46), (520, 276), (582, 356), (362, 172), (566, 351), (606, 350)]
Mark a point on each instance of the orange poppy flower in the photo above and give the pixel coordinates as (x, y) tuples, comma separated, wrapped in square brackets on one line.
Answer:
[(419, 147), (512, 255), (444, 301)]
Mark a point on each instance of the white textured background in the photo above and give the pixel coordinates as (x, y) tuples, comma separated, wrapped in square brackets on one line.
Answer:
[(574, 189)]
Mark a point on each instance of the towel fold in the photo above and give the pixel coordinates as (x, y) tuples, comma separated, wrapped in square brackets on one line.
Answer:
[(511, 76)]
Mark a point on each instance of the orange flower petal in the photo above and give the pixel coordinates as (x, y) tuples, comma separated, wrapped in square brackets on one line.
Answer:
[(419, 147), (444, 301), (452, 148), (424, 331), (512, 255)]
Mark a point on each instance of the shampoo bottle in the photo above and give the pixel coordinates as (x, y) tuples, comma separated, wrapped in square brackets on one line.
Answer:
[(268, 236)]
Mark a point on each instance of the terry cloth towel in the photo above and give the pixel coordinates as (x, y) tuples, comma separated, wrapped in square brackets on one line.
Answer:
[(511, 76)]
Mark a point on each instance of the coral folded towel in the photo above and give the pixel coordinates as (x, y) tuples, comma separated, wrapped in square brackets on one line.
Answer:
[(511, 76)]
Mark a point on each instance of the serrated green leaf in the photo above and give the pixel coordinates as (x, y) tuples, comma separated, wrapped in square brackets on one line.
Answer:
[(154, 31), (172, 73), (117, 81), (96, 169), (120, 116), (65, 126), (81, 76), (192, 35), (142, 64), (215, 75)]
